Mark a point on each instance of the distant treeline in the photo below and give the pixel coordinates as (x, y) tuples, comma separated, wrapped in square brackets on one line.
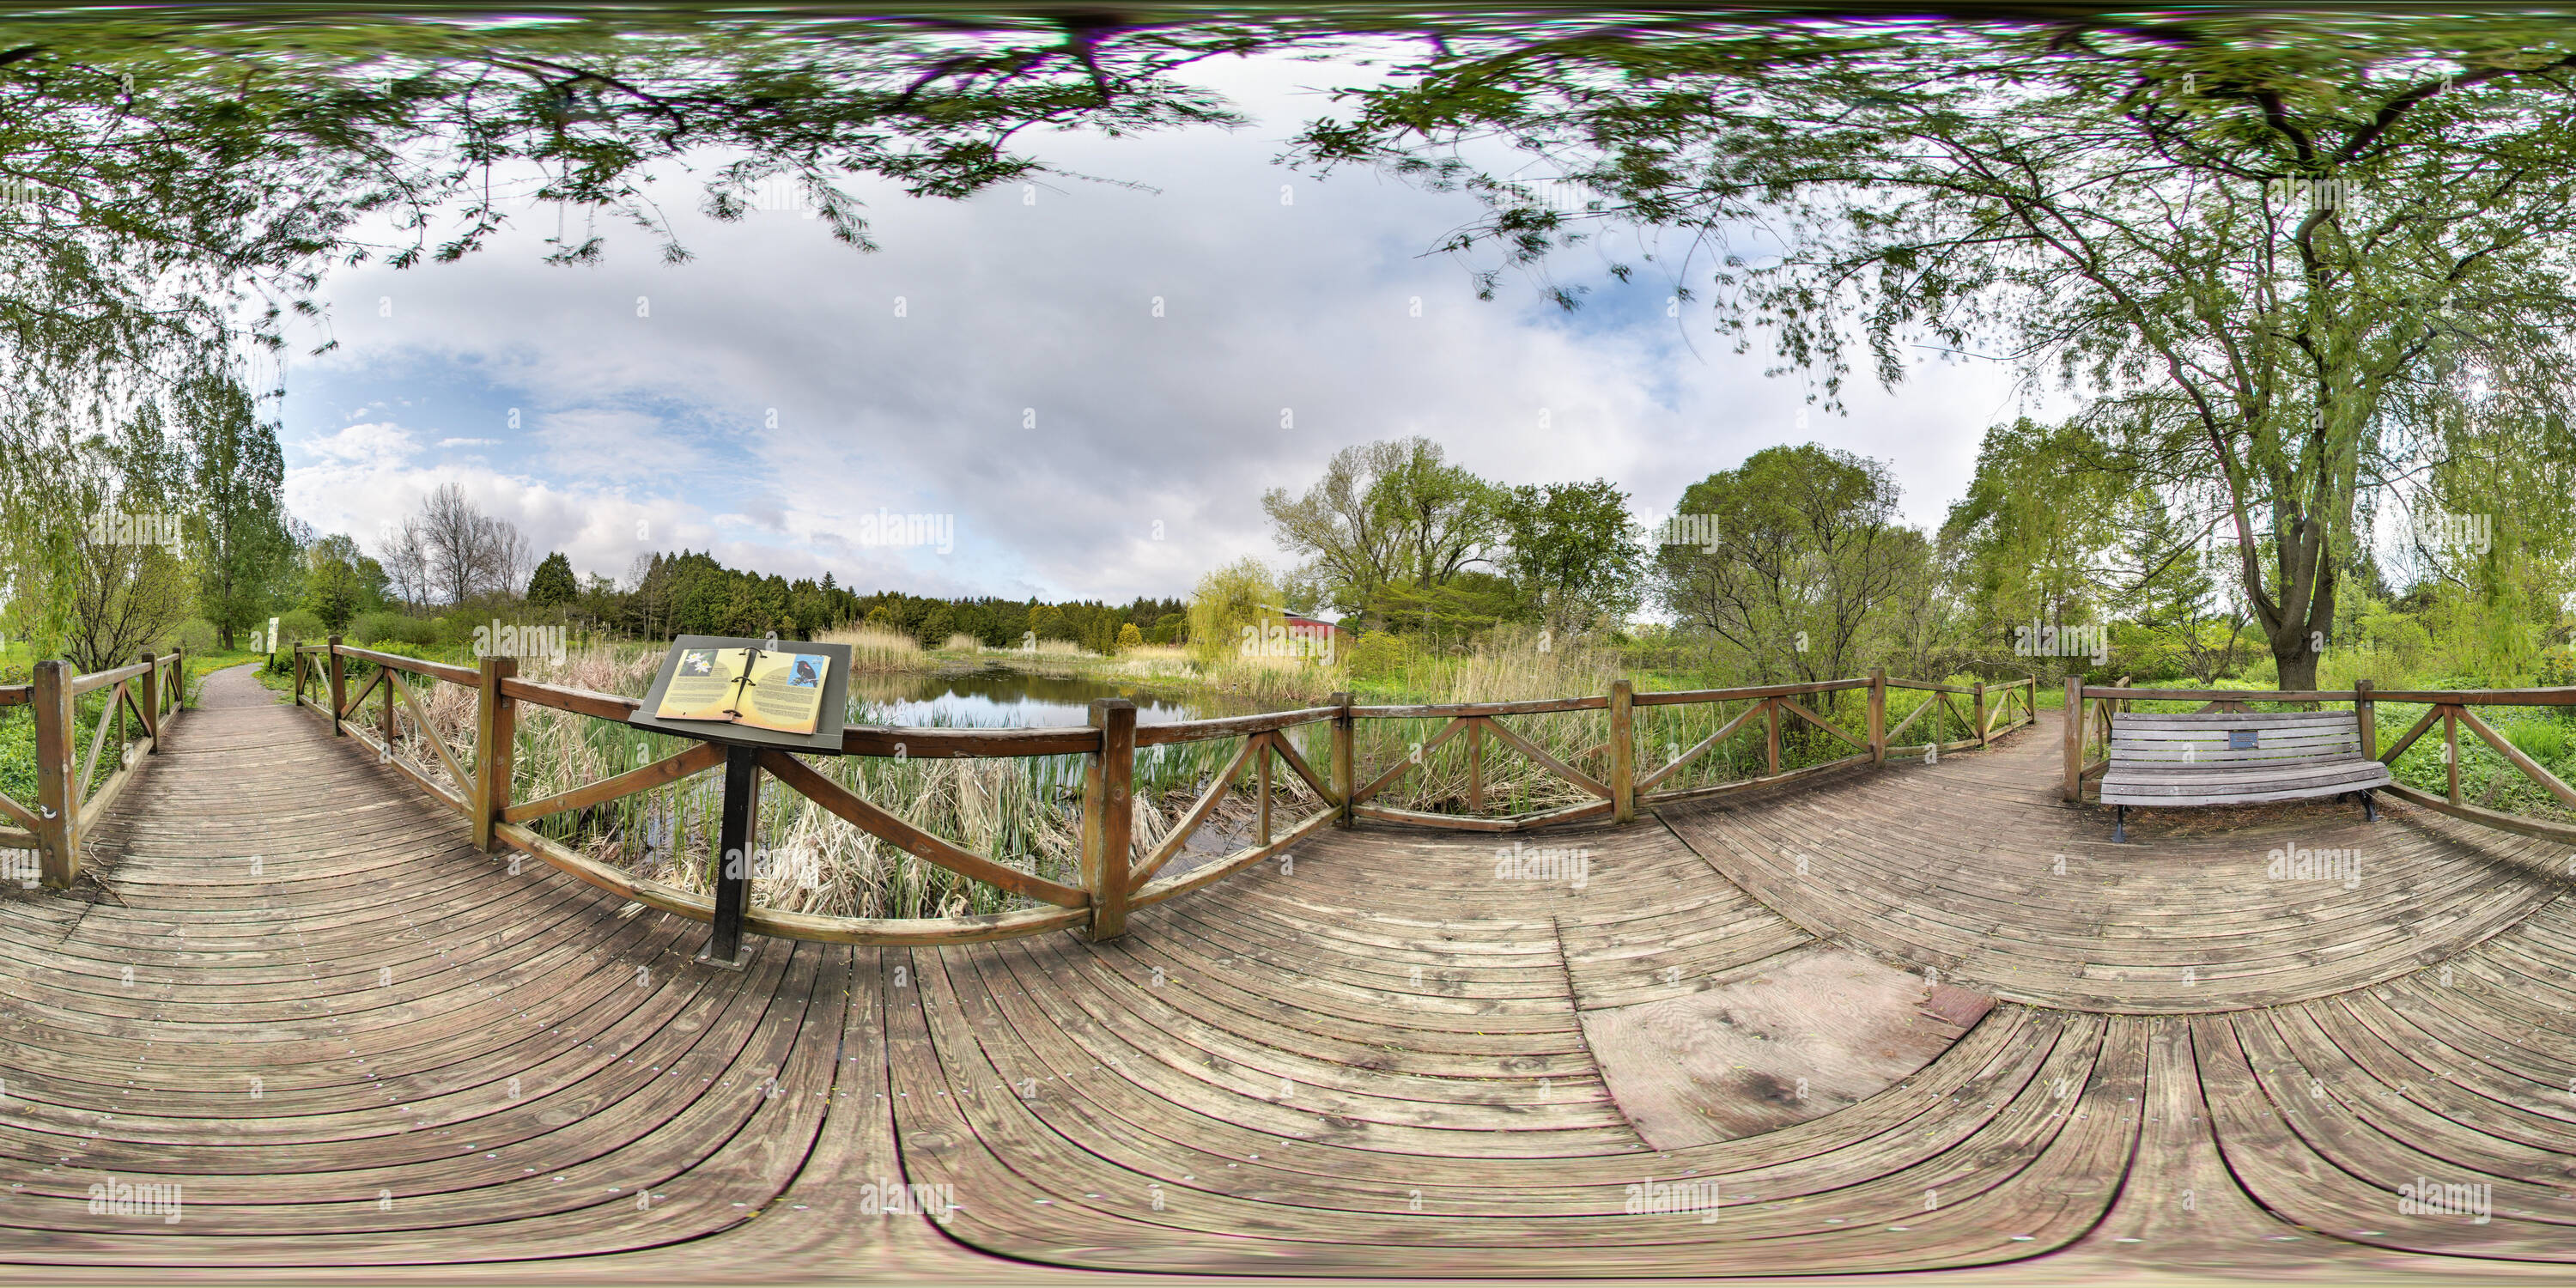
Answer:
[(691, 593), (1003, 623)]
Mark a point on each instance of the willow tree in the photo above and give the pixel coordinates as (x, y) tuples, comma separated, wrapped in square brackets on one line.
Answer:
[(171, 190), (2258, 248), (1805, 564)]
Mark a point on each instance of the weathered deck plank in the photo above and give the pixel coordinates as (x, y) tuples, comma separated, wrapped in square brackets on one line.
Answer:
[(1369, 1062)]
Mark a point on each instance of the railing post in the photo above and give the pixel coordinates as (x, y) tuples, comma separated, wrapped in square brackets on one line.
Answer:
[(1771, 740), (495, 725), (179, 678), (2365, 714), (1475, 766), (2451, 748), (57, 810), (1623, 751), (1981, 715), (1878, 715), (2074, 738), (1109, 815), (386, 679), (1261, 760), (339, 687), (1345, 768), (152, 701)]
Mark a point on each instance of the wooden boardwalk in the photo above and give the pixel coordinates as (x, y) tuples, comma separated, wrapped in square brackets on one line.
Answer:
[(297, 993)]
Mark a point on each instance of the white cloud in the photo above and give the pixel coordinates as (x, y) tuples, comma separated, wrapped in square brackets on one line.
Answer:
[(773, 397), (370, 441)]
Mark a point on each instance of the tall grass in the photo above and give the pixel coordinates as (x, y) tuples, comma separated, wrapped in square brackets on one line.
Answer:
[(2542, 740), (1273, 681), (875, 649)]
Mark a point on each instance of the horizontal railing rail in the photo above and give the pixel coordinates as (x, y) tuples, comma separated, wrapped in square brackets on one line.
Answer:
[(71, 797), (1118, 871)]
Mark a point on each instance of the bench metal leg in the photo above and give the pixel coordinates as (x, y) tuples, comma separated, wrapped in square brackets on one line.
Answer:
[(2119, 824), (2369, 808)]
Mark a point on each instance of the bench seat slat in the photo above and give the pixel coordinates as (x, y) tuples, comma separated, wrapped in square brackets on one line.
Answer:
[(2160, 776), (2151, 801), (2309, 732), (2187, 771), (2218, 738)]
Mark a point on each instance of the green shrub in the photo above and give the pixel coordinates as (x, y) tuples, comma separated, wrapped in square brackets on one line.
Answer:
[(376, 629), (299, 626), (1378, 654), (197, 635), (2557, 669), (458, 627)]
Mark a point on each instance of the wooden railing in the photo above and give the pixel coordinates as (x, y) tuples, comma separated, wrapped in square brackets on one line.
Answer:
[(1476, 720), (70, 797), (1114, 877), (2087, 727)]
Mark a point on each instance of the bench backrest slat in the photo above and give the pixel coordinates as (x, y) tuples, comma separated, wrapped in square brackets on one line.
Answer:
[(2200, 739), (2232, 719)]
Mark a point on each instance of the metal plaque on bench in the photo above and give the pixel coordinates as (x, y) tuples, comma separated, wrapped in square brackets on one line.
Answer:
[(2244, 739)]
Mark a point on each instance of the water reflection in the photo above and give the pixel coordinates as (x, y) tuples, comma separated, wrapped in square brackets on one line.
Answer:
[(999, 698)]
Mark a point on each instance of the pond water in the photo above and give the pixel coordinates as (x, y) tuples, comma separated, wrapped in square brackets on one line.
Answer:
[(1001, 698)]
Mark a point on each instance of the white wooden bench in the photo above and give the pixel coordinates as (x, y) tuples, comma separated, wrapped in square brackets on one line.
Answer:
[(2235, 758)]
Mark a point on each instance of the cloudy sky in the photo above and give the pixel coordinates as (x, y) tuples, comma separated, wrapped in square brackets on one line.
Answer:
[(1097, 381)]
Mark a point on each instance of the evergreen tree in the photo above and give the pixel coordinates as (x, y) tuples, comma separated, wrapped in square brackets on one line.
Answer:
[(552, 583)]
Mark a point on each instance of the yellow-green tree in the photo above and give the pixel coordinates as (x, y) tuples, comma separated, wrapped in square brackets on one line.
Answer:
[(1229, 601)]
